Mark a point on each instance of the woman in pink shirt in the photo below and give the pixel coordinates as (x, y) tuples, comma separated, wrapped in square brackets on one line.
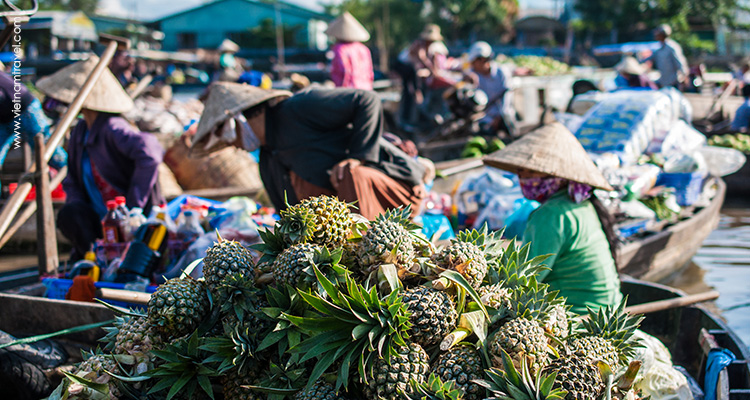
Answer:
[(352, 61)]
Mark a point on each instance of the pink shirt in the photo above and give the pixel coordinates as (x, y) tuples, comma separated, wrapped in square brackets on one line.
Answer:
[(352, 66)]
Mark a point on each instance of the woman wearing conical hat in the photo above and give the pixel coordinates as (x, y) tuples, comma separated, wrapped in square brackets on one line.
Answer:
[(571, 224), (107, 156), (352, 62), (632, 75)]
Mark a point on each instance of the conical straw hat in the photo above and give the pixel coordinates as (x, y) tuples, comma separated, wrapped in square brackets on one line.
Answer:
[(106, 96), (226, 99), (630, 65), (551, 150), (229, 46), (431, 32), (347, 29)]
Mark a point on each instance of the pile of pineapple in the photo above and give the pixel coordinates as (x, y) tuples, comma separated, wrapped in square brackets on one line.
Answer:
[(341, 308)]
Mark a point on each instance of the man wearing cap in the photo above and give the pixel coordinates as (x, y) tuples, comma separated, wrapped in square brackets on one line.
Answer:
[(571, 224), (668, 59), (319, 141), (108, 157), (632, 75), (352, 62), (495, 81)]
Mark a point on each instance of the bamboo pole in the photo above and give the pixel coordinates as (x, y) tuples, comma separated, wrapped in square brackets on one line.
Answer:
[(15, 201), (45, 216)]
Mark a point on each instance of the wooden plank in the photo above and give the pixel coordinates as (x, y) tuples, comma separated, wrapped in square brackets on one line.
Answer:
[(223, 193), (24, 316), (45, 216)]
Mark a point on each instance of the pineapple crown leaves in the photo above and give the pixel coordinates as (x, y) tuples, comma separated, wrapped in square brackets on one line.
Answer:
[(235, 351), (533, 300), (283, 301), (511, 384), (272, 245), (184, 370), (296, 225), (489, 242), (513, 268), (615, 325), (400, 215), (240, 293), (111, 336), (433, 389), (353, 327), (282, 381)]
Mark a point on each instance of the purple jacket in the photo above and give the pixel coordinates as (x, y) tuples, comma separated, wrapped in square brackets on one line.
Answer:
[(126, 158)]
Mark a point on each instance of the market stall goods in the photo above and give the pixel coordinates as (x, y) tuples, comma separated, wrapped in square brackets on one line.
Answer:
[(306, 322)]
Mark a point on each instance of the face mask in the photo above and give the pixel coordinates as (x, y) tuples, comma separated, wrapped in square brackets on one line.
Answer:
[(540, 188)]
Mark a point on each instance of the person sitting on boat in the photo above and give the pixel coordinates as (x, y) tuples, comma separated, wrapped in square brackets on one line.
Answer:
[(411, 59), (319, 141), (632, 75), (108, 156), (495, 81), (571, 224), (352, 62), (741, 121), (18, 105), (123, 67)]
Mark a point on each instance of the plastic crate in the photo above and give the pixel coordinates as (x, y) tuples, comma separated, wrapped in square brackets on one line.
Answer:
[(58, 288), (687, 186), (634, 227)]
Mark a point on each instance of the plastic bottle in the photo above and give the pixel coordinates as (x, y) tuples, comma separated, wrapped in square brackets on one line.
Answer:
[(112, 224), (190, 229), (121, 207)]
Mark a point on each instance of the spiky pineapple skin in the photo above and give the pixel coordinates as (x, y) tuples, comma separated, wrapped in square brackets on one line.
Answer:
[(577, 374), (136, 336), (595, 348), (520, 337), (224, 258), (386, 242), (330, 221), (463, 365), (464, 257), (320, 390), (289, 265), (433, 314), (232, 383), (390, 376), (177, 307)]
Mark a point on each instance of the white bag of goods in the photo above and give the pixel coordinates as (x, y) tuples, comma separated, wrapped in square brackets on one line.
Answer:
[(722, 161), (625, 122), (682, 138)]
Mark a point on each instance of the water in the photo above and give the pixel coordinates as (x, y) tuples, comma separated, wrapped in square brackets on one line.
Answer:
[(723, 263)]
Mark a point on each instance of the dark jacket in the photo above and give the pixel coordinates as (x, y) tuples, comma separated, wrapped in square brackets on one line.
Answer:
[(128, 159), (315, 129)]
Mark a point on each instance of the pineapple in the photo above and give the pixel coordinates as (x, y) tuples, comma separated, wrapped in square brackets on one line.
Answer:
[(320, 390), (557, 323), (466, 254), (93, 368), (392, 375), (523, 337), (578, 375), (136, 336), (434, 389), (291, 265), (510, 383), (607, 335), (461, 364), (232, 385), (388, 241), (177, 307), (323, 220), (433, 314), (226, 257)]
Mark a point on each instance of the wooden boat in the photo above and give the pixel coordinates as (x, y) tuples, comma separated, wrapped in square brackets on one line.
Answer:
[(661, 254), (688, 332), (652, 257)]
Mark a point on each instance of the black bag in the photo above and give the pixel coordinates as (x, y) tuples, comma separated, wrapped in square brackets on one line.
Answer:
[(395, 163)]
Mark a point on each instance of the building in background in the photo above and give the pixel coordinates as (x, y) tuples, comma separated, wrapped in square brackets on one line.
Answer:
[(141, 36), (250, 23)]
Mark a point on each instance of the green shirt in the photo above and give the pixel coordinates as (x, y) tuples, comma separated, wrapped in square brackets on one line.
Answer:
[(581, 265)]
